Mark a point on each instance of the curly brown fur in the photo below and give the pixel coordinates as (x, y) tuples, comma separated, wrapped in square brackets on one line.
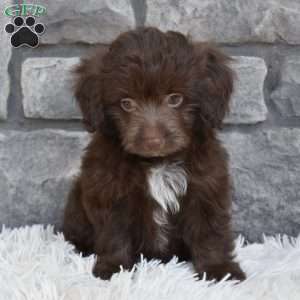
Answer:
[(154, 178)]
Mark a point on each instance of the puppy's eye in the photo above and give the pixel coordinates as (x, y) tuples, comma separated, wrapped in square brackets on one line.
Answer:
[(128, 104), (174, 100)]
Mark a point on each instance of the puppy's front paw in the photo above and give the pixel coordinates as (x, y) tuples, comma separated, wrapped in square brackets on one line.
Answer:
[(218, 272), (105, 270)]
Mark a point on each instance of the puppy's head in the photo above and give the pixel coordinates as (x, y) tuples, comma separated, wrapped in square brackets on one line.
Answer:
[(154, 91)]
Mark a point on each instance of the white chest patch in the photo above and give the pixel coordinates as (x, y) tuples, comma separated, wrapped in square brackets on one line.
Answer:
[(166, 183)]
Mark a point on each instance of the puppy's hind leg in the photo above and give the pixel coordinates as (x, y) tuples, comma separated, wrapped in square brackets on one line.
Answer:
[(76, 227)]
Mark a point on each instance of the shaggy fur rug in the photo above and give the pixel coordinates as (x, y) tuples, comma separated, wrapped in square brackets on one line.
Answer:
[(36, 264)]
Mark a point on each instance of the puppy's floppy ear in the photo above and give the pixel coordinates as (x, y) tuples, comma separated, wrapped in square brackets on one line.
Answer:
[(88, 90), (216, 83)]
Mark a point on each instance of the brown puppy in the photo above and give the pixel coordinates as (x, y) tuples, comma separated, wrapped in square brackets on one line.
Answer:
[(154, 179)]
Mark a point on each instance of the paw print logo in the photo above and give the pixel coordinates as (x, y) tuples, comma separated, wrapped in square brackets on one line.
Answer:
[(25, 32)]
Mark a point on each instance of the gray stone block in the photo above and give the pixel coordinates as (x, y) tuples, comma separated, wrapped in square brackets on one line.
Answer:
[(266, 174), (287, 95), (247, 104), (36, 169), (229, 21), (92, 21), (5, 55), (47, 88), (46, 84)]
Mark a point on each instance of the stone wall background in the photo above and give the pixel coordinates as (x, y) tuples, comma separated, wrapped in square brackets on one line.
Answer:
[(41, 139)]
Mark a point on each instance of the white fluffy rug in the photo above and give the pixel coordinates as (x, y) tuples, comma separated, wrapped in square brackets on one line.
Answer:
[(36, 264)]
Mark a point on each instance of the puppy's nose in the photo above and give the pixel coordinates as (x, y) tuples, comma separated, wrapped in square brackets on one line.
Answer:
[(154, 143), (153, 138)]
